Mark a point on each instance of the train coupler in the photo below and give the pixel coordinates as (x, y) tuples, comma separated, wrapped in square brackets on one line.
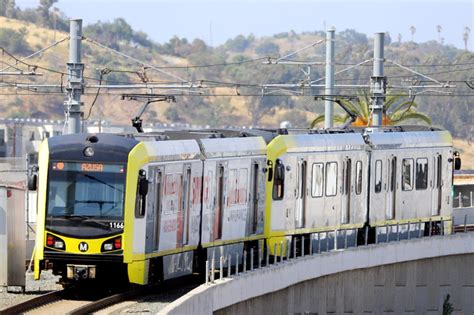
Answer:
[(81, 272)]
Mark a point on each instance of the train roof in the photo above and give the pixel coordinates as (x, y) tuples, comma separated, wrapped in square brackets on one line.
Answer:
[(228, 147), (408, 138), (173, 150), (214, 143), (318, 142)]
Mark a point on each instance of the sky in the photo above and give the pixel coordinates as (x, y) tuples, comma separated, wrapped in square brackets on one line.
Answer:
[(216, 21)]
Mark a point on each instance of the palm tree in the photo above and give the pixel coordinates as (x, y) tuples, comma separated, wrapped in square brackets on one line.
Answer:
[(412, 31), (439, 29), (465, 36), (402, 110)]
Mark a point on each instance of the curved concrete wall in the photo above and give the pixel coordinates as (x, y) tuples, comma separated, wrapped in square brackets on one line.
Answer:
[(207, 299)]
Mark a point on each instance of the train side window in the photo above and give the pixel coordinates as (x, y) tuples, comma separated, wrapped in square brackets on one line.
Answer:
[(172, 193), (142, 190), (378, 176), (158, 186), (331, 179), (232, 187), (317, 180), (421, 181), (358, 179), (278, 181), (407, 174), (242, 186)]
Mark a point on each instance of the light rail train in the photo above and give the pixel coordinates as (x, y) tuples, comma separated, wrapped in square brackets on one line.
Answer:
[(148, 207)]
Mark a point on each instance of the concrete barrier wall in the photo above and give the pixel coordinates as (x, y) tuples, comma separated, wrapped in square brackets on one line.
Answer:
[(286, 287)]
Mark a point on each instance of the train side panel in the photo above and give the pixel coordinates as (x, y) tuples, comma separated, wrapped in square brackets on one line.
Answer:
[(411, 176)]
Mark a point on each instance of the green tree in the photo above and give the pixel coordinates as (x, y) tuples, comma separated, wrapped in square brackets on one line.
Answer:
[(14, 41), (396, 110), (238, 44), (43, 11), (267, 48)]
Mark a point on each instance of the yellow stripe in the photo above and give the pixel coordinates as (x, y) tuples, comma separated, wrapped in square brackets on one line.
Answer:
[(238, 240), (277, 147), (43, 159), (137, 157), (162, 253), (411, 220), (316, 230)]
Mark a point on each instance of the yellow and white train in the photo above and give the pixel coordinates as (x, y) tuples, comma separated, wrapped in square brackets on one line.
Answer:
[(147, 207)]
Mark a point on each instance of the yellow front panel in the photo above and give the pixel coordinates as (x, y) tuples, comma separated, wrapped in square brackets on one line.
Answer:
[(72, 244), (136, 159), (43, 159)]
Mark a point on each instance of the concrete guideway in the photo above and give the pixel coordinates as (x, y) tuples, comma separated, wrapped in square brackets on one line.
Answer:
[(207, 299)]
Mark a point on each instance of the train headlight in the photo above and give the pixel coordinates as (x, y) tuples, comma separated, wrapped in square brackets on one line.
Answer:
[(55, 242), (112, 244), (108, 246)]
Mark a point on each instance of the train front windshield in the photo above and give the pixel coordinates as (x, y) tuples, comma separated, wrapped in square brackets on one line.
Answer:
[(85, 197)]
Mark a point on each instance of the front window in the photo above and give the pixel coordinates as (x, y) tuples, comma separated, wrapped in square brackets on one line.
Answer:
[(85, 198)]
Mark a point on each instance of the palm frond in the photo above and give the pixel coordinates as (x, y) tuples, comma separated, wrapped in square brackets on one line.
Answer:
[(364, 103), (407, 104), (317, 120), (351, 106), (397, 118), (341, 119), (390, 101)]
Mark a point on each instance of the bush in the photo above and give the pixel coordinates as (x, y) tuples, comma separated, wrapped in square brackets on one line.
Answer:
[(14, 42), (267, 48)]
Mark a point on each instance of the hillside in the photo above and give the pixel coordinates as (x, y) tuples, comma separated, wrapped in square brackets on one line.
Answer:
[(238, 61)]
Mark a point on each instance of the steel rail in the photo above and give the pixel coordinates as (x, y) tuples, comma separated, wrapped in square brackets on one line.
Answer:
[(109, 301), (34, 303)]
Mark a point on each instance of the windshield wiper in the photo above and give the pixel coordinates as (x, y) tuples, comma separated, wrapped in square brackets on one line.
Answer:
[(88, 220)]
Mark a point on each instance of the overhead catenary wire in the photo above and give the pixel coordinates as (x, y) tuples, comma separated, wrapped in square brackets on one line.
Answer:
[(38, 52), (135, 59)]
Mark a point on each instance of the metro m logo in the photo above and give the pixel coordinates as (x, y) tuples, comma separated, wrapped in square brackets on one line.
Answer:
[(83, 247)]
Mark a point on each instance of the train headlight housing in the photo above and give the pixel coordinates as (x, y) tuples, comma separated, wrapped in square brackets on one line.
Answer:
[(112, 244), (55, 242)]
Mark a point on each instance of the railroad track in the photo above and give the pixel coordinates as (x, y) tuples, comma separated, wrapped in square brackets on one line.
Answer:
[(81, 300), (71, 301)]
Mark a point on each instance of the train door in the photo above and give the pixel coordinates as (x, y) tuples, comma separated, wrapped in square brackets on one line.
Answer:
[(219, 202), (255, 196), (158, 178), (377, 193), (391, 188), (300, 194), (437, 185), (209, 182), (186, 203), (346, 191)]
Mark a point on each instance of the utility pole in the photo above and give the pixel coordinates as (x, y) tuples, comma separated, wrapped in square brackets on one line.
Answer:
[(328, 103), (75, 88), (378, 81)]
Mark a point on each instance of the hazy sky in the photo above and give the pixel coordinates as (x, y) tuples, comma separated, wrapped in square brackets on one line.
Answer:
[(216, 21)]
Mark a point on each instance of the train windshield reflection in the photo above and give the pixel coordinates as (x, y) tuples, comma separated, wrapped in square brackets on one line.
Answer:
[(73, 192)]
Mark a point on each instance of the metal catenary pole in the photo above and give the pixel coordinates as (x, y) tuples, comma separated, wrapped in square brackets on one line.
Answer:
[(378, 81), (75, 88), (328, 103)]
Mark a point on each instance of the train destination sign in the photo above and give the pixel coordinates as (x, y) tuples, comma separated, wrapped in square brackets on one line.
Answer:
[(87, 167)]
